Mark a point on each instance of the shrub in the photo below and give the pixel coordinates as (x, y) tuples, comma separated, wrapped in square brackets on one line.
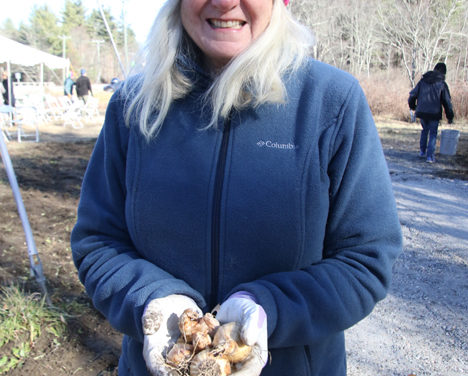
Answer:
[(459, 92), (387, 94)]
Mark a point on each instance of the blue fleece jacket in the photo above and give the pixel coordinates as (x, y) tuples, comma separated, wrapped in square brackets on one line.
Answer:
[(292, 203)]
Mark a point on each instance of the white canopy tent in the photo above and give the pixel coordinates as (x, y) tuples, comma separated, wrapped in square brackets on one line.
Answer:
[(13, 52), (17, 53)]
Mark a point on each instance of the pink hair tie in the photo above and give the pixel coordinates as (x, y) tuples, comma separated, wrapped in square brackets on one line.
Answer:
[(286, 2)]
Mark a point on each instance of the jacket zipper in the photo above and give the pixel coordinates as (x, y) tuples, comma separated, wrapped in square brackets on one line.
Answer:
[(216, 214)]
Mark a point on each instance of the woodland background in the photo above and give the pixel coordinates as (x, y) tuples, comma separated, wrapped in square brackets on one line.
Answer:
[(387, 44)]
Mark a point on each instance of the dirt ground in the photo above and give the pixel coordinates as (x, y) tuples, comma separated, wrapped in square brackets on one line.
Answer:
[(49, 174)]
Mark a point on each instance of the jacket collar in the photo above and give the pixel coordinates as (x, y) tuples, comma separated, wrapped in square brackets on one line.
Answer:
[(189, 62)]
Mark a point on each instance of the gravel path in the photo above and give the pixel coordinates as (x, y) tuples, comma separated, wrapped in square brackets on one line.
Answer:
[(421, 328)]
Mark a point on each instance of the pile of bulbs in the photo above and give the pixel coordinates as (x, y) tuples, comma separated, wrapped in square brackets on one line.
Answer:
[(205, 347)]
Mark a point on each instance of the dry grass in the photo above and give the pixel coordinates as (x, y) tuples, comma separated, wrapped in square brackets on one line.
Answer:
[(459, 92), (387, 94)]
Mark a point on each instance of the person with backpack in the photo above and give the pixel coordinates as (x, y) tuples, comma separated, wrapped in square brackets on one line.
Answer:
[(427, 99)]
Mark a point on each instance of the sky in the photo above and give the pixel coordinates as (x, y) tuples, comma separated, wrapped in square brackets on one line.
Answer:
[(139, 13)]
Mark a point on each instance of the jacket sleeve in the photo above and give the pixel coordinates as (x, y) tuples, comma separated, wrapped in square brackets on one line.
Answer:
[(447, 103), (413, 96), (362, 241), (117, 279)]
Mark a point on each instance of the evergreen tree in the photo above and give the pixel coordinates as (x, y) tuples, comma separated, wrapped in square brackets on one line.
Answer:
[(97, 28), (24, 33), (9, 30), (45, 30), (73, 15)]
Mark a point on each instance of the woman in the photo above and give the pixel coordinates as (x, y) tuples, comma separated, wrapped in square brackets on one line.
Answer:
[(237, 170)]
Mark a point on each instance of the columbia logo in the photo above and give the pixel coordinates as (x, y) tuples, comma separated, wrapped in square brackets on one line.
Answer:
[(276, 145)]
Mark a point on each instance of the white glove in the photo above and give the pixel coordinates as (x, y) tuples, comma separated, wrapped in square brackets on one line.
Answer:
[(160, 326), (242, 308)]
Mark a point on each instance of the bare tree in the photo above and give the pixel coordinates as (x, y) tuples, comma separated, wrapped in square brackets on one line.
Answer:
[(365, 36), (345, 31), (420, 31)]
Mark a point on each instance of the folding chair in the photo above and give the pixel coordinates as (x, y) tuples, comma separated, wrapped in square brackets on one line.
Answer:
[(26, 116), (54, 108), (6, 118), (38, 102), (91, 108), (72, 115)]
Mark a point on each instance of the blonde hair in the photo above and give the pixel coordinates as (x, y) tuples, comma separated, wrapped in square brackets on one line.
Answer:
[(252, 78)]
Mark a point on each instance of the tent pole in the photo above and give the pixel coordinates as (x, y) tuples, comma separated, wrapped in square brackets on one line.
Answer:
[(42, 76), (9, 84), (34, 260)]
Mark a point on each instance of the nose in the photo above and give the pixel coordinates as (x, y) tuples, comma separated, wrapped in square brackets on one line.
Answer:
[(225, 4)]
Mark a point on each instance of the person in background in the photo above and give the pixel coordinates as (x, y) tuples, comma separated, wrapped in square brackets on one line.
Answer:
[(427, 99), (7, 90), (236, 170), (68, 86), (83, 86)]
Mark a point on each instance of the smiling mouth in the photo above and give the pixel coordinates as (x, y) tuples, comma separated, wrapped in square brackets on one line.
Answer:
[(231, 24)]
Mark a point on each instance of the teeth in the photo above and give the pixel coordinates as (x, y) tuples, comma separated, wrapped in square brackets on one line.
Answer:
[(226, 24)]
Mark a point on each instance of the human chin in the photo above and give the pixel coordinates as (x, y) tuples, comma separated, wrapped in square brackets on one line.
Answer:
[(220, 53)]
